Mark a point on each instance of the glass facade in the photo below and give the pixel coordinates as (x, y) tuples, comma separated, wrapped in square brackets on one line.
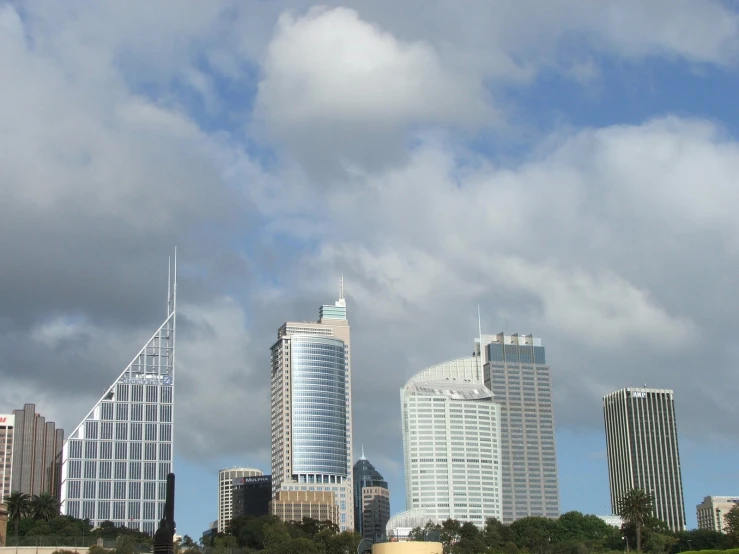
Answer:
[(320, 400), (115, 463)]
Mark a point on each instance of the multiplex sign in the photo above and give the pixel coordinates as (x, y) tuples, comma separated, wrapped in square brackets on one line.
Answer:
[(7, 419)]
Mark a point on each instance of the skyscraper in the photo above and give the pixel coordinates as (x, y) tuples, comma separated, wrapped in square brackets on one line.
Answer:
[(641, 442), (7, 423), (116, 461), (371, 500), (311, 408), (226, 479), (37, 453), (451, 443), (517, 373)]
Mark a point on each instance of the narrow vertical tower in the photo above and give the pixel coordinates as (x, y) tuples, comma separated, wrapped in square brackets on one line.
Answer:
[(641, 443), (116, 461), (311, 414)]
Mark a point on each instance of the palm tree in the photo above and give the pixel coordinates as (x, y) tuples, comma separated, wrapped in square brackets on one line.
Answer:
[(44, 506), (634, 508), (18, 506)]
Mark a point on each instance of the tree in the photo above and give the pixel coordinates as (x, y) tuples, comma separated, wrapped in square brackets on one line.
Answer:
[(18, 506), (731, 524), (44, 506), (634, 508), (533, 533)]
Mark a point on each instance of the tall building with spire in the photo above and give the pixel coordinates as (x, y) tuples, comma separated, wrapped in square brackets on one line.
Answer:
[(115, 462), (371, 500), (311, 423)]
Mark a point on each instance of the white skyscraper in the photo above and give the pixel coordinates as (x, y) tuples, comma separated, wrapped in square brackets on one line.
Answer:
[(115, 463), (451, 443), (311, 409)]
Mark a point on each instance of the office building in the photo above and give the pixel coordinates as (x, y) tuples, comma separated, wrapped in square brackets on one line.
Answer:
[(517, 373), (3, 524), (116, 461), (226, 479), (311, 408), (711, 513), (451, 443), (294, 505), (371, 500), (642, 449), (251, 496), (7, 423), (37, 447)]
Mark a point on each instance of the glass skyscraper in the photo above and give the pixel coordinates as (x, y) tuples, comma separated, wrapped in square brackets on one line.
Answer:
[(311, 408), (371, 500), (641, 442), (115, 463), (517, 373)]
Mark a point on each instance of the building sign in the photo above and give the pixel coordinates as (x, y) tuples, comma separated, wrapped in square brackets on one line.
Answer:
[(154, 380), (638, 394), (249, 480), (7, 419)]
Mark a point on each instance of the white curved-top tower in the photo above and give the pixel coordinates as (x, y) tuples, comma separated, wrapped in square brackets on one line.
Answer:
[(451, 443), (225, 491)]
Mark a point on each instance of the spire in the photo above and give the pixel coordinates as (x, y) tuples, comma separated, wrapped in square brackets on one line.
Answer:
[(362, 458), (341, 303)]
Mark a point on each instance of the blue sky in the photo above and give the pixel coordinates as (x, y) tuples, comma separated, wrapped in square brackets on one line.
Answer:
[(569, 166)]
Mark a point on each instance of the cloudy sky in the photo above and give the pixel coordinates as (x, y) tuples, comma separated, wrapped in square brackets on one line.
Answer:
[(570, 166)]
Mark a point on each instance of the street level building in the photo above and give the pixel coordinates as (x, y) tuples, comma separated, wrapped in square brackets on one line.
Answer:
[(518, 375), (251, 496), (294, 505), (311, 416), (371, 500), (451, 443), (226, 478), (712, 512), (7, 423), (642, 450), (37, 453), (116, 461)]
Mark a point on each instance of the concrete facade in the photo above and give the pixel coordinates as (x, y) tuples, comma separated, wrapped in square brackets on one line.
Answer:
[(295, 505), (642, 450), (712, 511), (37, 453), (517, 373), (3, 524), (311, 414)]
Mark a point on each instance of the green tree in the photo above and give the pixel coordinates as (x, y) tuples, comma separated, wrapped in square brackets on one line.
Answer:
[(44, 506), (18, 506), (731, 524), (345, 542), (496, 534), (533, 533), (634, 508), (125, 544)]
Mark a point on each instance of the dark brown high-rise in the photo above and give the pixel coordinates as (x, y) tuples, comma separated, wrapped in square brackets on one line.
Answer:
[(37, 453)]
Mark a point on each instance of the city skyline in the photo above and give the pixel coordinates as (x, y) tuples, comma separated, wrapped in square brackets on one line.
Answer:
[(570, 169)]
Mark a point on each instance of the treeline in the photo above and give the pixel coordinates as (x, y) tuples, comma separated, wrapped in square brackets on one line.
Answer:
[(571, 533), (269, 535)]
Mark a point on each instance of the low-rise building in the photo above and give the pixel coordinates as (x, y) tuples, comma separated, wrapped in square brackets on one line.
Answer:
[(295, 505), (712, 511)]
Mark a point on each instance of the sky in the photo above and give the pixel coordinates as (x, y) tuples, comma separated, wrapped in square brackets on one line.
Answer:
[(567, 165)]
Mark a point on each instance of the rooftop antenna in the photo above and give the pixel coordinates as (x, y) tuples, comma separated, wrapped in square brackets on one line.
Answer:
[(479, 329), (362, 458), (169, 285), (341, 302)]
